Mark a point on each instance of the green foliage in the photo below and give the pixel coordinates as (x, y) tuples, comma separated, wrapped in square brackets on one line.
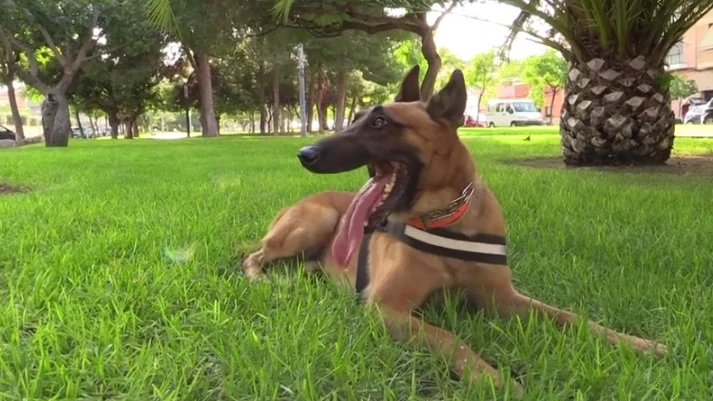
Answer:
[(450, 62), (51, 36), (408, 53), (123, 75), (481, 72), (547, 71), (680, 87)]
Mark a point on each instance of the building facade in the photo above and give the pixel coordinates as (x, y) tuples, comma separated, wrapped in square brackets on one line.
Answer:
[(692, 58)]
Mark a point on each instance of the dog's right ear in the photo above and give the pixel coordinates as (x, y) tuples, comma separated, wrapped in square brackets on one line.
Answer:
[(410, 90), (449, 103)]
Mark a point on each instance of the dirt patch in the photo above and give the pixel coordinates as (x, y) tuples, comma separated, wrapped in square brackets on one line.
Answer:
[(678, 165), (6, 189)]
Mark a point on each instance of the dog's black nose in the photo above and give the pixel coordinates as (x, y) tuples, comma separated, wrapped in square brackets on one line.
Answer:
[(308, 155)]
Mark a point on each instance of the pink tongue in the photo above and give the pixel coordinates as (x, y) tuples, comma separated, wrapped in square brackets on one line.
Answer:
[(351, 227)]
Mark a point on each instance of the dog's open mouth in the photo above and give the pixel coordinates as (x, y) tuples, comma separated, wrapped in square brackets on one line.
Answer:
[(370, 207)]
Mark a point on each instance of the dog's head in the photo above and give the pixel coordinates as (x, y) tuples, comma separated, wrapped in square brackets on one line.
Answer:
[(407, 146)]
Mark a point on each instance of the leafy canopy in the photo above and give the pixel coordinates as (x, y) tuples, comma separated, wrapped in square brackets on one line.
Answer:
[(547, 71), (681, 87)]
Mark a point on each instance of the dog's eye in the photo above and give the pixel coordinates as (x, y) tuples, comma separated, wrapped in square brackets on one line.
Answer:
[(378, 122)]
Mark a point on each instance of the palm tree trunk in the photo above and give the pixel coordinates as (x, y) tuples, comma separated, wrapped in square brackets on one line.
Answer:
[(616, 113)]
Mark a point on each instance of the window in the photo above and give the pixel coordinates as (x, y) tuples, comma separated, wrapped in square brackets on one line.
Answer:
[(675, 55), (525, 107), (707, 42), (548, 111)]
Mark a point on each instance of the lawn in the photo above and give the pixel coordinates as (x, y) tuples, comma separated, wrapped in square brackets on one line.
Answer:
[(95, 309)]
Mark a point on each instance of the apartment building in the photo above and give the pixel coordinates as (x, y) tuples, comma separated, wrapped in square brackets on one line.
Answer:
[(692, 58)]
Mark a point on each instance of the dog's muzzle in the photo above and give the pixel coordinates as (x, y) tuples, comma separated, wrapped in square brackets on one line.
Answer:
[(308, 155)]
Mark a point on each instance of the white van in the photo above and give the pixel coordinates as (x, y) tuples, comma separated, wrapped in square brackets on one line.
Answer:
[(513, 113)]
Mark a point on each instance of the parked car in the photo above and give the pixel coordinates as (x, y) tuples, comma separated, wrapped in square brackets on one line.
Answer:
[(7, 133), (694, 114), (513, 113), (88, 132), (471, 121)]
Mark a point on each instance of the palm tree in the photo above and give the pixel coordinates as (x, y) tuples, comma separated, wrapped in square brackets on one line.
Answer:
[(617, 106)]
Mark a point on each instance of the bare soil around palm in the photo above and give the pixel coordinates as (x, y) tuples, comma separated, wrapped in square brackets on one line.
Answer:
[(6, 189), (678, 165)]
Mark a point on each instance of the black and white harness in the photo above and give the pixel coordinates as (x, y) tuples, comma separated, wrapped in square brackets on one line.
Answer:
[(483, 248)]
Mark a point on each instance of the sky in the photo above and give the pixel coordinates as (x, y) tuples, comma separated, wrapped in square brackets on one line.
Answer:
[(464, 32)]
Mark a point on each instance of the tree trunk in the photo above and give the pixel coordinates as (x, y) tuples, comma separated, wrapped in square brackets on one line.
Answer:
[(553, 91), (114, 124), (205, 95), (128, 129), (288, 121), (55, 119), (309, 99), (616, 113), (79, 123), (341, 101), (480, 99), (135, 127), (276, 100), (322, 116), (430, 53), (16, 117), (352, 110)]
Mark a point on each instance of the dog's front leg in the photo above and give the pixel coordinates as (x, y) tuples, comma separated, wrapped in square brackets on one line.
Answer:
[(394, 300)]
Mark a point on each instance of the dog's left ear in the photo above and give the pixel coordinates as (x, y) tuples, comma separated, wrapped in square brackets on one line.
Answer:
[(410, 90), (449, 103)]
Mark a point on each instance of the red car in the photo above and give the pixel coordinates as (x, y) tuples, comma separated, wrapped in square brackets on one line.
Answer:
[(470, 121)]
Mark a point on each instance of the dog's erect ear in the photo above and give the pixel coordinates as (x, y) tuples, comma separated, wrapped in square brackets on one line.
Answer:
[(449, 103), (410, 90)]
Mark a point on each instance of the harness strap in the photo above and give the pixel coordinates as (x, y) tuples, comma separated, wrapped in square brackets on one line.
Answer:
[(483, 248), (362, 273)]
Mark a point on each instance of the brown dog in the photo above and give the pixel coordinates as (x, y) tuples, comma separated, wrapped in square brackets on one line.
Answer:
[(424, 222)]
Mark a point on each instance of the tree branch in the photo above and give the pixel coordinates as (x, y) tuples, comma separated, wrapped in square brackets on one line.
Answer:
[(368, 23), (32, 77), (88, 41), (29, 51), (443, 15), (71, 69), (50, 42), (542, 40)]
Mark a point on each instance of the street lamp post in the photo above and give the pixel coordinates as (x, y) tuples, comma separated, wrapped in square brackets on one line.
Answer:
[(188, 108)]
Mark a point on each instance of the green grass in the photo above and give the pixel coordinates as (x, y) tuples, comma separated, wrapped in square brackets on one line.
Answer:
[(93, 309)]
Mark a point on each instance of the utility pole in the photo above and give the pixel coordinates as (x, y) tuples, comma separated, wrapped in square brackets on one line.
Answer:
[(301, 63)]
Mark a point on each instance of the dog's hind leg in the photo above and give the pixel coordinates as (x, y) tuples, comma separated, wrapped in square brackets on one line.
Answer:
[(495, 293), (520, 304), (299, 228)]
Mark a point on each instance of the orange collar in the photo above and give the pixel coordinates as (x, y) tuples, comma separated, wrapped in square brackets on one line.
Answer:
[(445, 217)]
